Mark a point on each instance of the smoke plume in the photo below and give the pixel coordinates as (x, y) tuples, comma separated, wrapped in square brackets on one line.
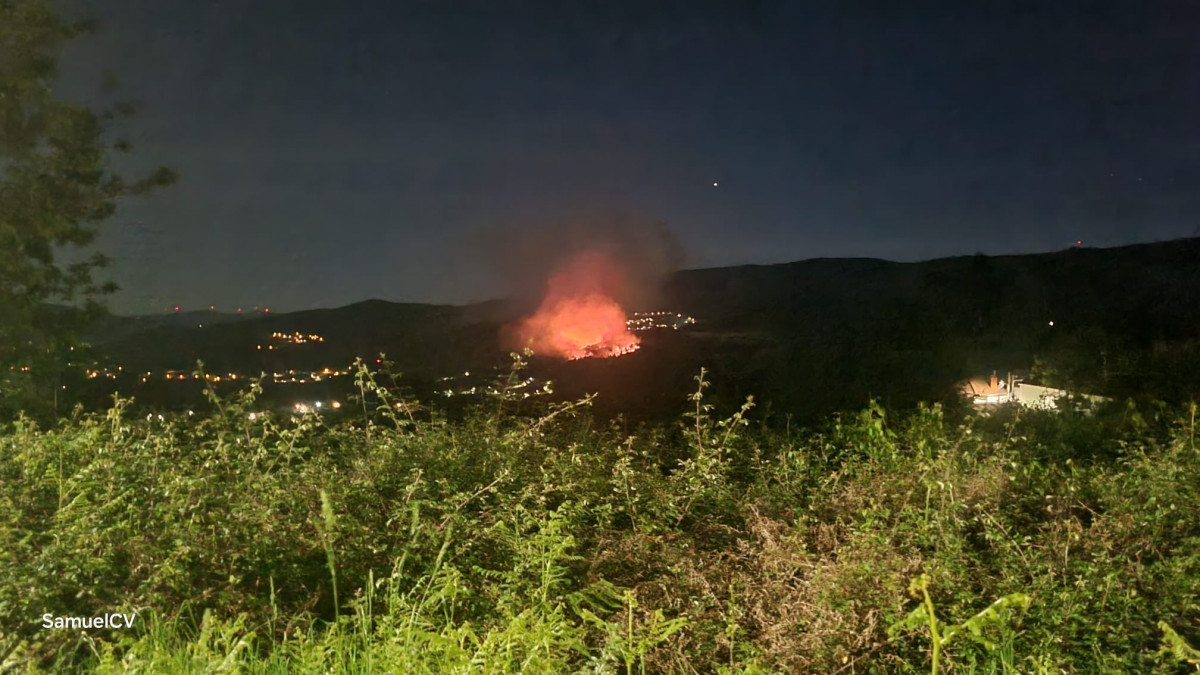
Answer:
[(574, 279)]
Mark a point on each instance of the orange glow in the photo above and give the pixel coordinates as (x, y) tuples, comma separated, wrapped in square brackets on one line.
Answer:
[(578, 317)]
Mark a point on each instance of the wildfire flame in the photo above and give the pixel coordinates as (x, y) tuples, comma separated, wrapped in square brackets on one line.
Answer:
[(579, 317)]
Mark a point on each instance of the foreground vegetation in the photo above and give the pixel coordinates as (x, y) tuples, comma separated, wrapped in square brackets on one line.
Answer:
[(544, 541)]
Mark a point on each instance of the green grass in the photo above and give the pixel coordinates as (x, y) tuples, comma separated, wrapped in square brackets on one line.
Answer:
[(517, 540)]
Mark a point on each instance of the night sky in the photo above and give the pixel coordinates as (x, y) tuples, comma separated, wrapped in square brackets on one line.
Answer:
[(335, 151)]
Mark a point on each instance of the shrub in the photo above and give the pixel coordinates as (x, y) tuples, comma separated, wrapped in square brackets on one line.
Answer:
[(542, 540)]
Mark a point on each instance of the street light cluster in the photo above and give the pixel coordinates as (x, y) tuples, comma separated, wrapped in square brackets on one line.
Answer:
[(511, 391), (104, 371), (316, 406), (296, 338), (650, 320), (292, 377)]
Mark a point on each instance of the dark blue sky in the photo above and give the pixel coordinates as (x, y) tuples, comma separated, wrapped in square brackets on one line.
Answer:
[(335, 151)]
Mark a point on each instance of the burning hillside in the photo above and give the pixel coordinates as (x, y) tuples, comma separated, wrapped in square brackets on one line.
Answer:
[(579, 316)]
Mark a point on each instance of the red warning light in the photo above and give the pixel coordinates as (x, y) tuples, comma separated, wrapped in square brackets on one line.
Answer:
[(239, 310), (176, 308), (266, 309), (1079, 242), (211, 307)]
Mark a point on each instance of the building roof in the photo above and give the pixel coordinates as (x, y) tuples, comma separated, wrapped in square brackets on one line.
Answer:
[(978, 386)]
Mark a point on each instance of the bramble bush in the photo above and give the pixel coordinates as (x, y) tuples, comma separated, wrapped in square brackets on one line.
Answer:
[(388, 538)]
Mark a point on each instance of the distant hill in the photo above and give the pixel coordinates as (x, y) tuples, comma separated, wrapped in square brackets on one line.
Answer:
[(417, 337), (840, 330), (808, 337), (1158, 282), (113, 327)]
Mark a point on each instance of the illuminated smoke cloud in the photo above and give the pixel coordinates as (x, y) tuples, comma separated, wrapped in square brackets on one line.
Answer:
[(579, 317), (574, 280)]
